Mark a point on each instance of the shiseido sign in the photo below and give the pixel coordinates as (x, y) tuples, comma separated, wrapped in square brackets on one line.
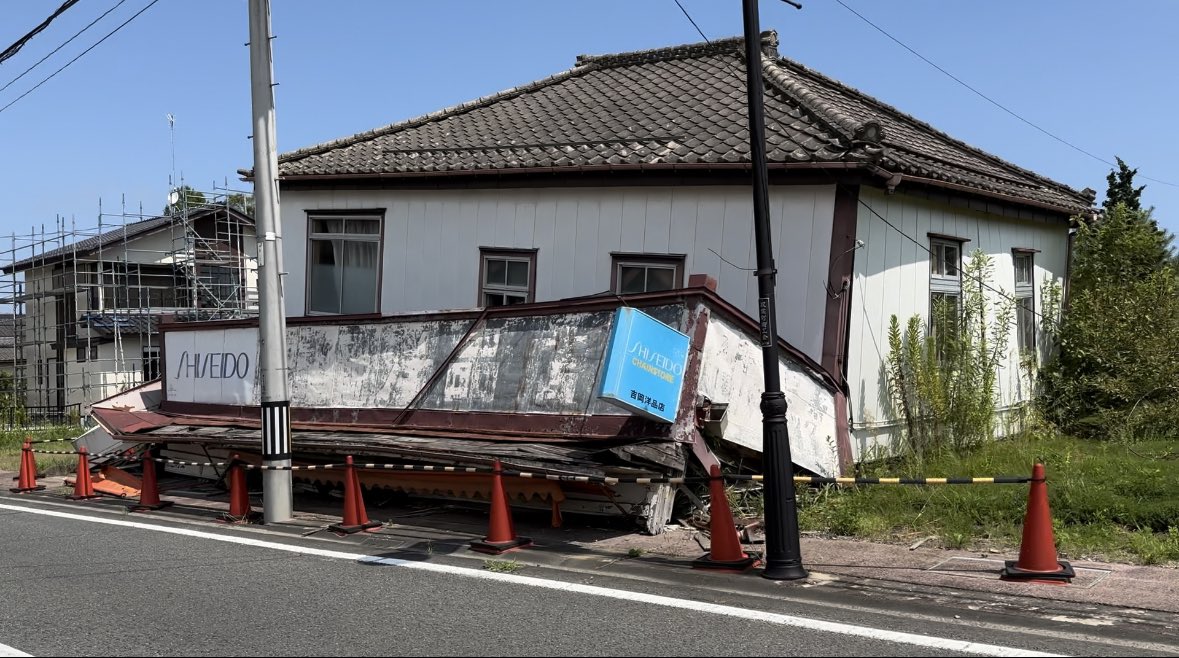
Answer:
[(217, 366)]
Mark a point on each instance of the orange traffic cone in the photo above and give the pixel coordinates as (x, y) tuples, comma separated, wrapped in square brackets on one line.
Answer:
[(501, 533), (26, 480), (355, 517), (1037, 551), (83, 485), (725, 553), (239, 497), (149, 491)]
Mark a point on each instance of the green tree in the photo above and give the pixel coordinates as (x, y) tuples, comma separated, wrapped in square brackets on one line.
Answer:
[(1121, 188), (242, 203), (184, 197), (1116, 369)]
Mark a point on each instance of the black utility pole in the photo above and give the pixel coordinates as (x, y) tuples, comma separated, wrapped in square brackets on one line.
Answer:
[(783, 554)]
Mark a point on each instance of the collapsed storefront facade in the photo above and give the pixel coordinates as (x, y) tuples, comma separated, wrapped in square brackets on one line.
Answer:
[(521, 384)]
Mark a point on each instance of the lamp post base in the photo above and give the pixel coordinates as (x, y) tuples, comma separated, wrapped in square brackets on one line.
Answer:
[(784, 572)]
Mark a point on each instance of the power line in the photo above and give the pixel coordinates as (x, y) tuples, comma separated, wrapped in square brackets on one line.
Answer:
[(982, 283), (692, 21), (988, 98), (67, 42), (20, 43), (108, 35)]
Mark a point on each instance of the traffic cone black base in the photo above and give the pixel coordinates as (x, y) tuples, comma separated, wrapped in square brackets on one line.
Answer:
[(498, 547), (1062, 577), (748, 562), (140, 507)]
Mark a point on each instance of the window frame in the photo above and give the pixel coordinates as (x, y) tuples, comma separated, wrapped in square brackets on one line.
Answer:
[(507, 254), (1025, 315), (941, 284), (377, 214), (620, 259)]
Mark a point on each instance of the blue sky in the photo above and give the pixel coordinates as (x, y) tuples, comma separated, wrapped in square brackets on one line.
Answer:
[(1099, 74)]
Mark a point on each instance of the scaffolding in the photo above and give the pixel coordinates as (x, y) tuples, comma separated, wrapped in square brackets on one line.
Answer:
[(83, 304)]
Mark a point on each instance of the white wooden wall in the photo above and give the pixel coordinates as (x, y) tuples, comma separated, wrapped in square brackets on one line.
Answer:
[(731, 372), (432, 240), (892, 277)]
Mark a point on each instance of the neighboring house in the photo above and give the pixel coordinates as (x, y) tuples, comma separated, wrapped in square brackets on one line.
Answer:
[(92, 307), (628, 172), (11, 325)]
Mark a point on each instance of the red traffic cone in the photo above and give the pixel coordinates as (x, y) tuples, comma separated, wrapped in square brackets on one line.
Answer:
[(239, 497), (355, 517), (725, 553), (149, 491), (501, 533), (26, 480), (83, 485), (1037, 561)]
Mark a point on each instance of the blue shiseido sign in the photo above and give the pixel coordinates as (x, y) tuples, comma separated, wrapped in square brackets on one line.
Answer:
[(645, 364)]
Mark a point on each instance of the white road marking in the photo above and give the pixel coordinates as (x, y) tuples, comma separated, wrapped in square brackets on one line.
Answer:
[(8, 652), (793, 621)]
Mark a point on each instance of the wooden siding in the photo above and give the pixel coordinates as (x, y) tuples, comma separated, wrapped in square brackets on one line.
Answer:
[(432, 237), (892, 277), (731, 372)]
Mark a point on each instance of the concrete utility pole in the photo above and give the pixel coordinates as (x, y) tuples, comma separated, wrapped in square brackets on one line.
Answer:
[(783, 553), (272, 323)]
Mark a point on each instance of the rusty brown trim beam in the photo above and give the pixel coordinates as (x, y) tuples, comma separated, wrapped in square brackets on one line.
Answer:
[(471, 424)]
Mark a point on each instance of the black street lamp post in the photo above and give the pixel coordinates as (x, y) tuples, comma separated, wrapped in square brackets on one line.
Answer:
[(783, 554)]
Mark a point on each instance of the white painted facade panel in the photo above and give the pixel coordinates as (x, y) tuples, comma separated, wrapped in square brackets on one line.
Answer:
[(891, 277), (431, 241), (731, 372)]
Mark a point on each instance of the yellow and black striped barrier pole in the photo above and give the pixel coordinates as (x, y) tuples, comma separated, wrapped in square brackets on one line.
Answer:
[(814, 479)]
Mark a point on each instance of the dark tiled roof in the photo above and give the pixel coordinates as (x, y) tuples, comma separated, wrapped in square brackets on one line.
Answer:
[(108, 324), (683, 106), (109, 238)]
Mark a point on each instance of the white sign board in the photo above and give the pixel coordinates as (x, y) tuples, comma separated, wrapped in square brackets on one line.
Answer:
[(215, 366)]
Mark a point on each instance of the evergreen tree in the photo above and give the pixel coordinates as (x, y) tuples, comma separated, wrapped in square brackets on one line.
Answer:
[(1121, 188)]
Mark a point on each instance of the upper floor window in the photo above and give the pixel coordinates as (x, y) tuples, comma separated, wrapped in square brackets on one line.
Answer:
[(506, 277), (635, 273), (344, 254)]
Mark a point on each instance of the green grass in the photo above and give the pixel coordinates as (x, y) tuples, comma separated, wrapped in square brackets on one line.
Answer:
[(10, 445), (1109, 501), (502, 566)]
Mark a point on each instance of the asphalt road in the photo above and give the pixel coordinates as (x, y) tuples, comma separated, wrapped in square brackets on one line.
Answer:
[(71, 586)]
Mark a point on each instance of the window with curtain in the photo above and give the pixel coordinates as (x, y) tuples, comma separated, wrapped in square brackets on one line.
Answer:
[(345, 259)]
